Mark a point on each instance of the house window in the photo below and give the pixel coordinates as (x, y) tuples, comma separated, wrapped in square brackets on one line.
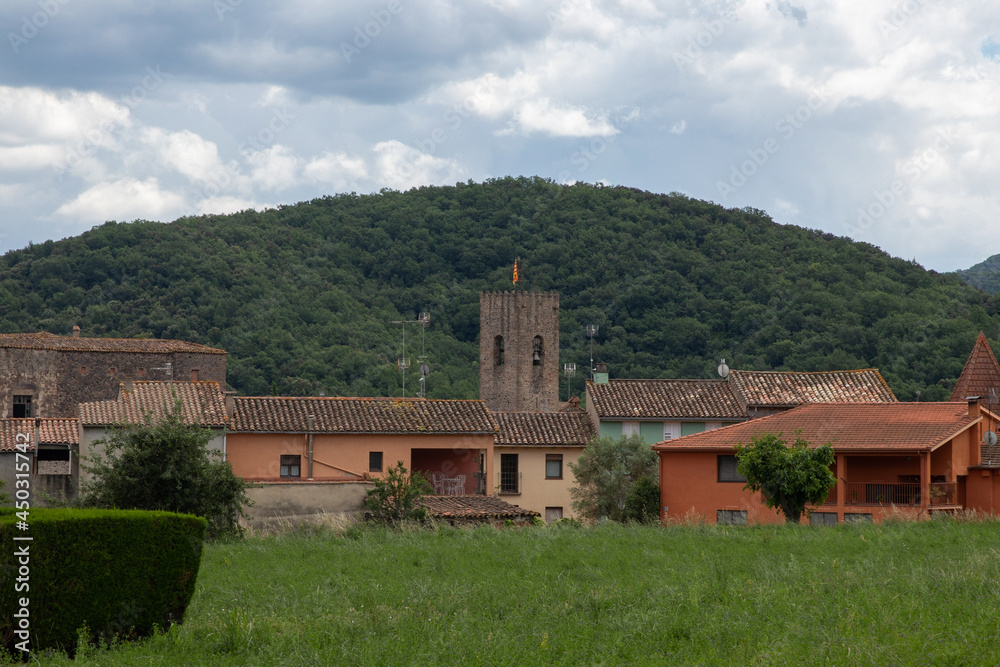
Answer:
[(194, 375), (731, 517), (22, 406), (52, 461), (374, 461), (822, 518), (671, 430), (630, 428), (553, 466), (536, 351), (509, 476), (857, 518), (498, 350), (727, 469), (291, 466), (553, 514)]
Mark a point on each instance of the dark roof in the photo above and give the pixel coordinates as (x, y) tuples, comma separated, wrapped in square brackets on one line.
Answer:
[(665, 399), (847, 426), (52, 431), (202, 403), (980, 374), (989, 456), (473, 507), (787, 388), (548, 429), (272, 414), (49, 341)]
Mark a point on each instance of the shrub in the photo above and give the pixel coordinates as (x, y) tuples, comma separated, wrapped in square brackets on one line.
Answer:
[(396, 497), (605, 473), (642, 502), (118, 573)]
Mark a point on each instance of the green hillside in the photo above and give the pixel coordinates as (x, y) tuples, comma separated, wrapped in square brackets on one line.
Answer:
[(985, 275), (303, 296)]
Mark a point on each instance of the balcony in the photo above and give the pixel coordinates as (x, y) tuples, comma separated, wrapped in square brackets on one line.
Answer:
[(904, 494)]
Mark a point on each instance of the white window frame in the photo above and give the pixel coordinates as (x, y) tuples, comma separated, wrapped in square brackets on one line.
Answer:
[(630, 428), (671, 430)]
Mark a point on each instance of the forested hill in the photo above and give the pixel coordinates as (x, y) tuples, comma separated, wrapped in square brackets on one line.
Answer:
[(985, 275), (303, 296)]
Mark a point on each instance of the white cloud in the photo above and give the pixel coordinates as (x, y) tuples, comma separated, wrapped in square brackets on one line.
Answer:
[(125, 199), (678, 127), (274, 168), (225, 205), (30, 115), (340, 170), (186, 152), (400, 167)]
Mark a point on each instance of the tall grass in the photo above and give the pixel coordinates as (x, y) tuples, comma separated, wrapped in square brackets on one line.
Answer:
[(895, 593)]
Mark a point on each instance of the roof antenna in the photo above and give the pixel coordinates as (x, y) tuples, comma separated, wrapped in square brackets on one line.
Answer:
[(723, 370)]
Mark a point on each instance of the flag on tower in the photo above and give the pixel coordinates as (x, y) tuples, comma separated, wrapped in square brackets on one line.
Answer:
[(515, 272)]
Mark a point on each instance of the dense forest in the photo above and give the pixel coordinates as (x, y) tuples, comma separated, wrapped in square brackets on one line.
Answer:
[(304, 296), (985, 275)]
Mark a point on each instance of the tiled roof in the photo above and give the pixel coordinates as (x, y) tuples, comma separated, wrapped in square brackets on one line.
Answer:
[(848, 426), (665, 399), (989, 456), (473, 507), (549, 429), (784, 388), (202, 403), (980, 374), (272, 414), (54, 431), (49, 341)]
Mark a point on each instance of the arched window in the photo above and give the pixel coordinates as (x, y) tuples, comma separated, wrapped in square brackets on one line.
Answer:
[(498, 350), (537, 352)]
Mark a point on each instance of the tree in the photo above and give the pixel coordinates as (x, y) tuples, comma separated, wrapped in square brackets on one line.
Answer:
[(396, 497), (607, 471), (789, 477), (166, 465)]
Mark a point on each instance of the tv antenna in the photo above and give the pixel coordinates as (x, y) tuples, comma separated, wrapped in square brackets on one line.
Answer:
[(403, 363), (591, 332), (569, 370)]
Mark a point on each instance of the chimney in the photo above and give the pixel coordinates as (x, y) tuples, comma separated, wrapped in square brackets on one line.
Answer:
[(127, 386), (600, 373), (973, 405), (76, 331)]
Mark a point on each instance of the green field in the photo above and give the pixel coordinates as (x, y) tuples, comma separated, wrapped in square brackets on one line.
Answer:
[(890, 594)]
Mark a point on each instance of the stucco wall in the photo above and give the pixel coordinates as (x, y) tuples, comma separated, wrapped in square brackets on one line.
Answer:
[(297, 499), (90, 434), (537, 492)]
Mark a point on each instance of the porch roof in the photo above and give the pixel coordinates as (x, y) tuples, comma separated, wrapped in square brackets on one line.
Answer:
[(473, 507), (51, 431), (863, 427)]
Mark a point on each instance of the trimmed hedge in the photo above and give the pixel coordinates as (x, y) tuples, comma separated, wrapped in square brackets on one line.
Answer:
[(120, 573)]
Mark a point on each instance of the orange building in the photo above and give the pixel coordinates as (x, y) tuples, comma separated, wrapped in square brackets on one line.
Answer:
[(909, 458)]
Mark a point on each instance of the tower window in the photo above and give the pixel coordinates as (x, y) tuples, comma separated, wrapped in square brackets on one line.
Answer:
[(498, 350), (22, 406), (536, 353)]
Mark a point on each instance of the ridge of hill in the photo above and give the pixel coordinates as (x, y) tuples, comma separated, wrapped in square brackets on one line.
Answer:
[(303, 296), (985, 275)]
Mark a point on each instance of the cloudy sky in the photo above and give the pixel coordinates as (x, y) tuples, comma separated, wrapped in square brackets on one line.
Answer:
[(874, 119)]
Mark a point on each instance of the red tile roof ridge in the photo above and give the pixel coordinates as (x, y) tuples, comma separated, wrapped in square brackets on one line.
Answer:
[(361, 398)]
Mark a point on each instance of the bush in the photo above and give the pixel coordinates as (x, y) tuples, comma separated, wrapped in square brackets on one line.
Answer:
[(605, 473), (166, 465), (118, 573), (642, 502), (396, 497)]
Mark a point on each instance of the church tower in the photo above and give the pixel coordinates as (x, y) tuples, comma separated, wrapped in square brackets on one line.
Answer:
[(519, 351)]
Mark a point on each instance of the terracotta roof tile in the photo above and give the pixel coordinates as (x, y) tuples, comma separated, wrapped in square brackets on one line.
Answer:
[(989, 456), (272, 414), (665, 399), (52, 431), (848, 426), (980, 374), (49, 341), (202, 403), (548, 429), (473, 507), (785, 388)]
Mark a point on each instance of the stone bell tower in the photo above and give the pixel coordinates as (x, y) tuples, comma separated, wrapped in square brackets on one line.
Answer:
[(519, 351)]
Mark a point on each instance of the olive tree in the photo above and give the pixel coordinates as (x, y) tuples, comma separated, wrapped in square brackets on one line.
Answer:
[(615, 478), (788, 476)]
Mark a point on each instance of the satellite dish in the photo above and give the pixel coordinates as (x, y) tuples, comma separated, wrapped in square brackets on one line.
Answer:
[(723, 369), (425, 370), (990, 438)]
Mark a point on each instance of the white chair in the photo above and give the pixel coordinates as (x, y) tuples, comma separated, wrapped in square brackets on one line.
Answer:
[(438, 484)]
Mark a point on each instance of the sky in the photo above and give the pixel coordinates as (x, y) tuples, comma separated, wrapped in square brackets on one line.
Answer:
[(877, 120)]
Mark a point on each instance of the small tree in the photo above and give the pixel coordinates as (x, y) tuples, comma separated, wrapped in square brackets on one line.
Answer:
[(606, 472), (166, 465), (396, 497), (789, 477)]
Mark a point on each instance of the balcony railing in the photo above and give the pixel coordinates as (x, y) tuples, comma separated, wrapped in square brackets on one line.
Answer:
[(883, 493)]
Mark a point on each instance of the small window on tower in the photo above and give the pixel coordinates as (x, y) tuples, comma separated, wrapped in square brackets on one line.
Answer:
[(22, 406), (536, 353), (498, 350)]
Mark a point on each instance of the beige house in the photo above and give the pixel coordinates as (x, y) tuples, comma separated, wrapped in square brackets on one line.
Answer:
[(532, 454)]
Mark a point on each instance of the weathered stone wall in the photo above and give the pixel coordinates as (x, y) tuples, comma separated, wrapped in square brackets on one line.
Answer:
[(518, 384), (58, 380)]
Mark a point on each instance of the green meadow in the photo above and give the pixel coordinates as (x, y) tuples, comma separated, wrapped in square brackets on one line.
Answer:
[(891, 594)]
